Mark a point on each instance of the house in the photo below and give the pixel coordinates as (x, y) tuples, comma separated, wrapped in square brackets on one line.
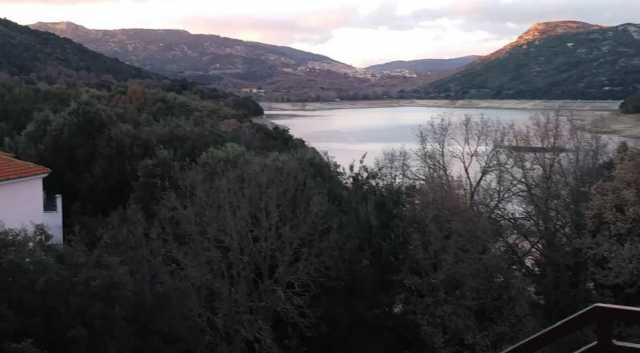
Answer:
[(23, 202), (258, 91)]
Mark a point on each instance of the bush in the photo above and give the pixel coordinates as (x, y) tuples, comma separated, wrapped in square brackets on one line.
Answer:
[(631, 105)]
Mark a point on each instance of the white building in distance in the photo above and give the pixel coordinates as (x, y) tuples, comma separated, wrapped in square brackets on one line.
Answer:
[(23, 202)]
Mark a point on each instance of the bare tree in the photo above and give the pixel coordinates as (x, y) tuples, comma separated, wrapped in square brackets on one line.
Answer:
[(466, 156), (432, 155), (552, 164), (395, 167)]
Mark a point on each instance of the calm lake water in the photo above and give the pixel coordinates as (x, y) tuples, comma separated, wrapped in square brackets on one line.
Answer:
[(348, 134)]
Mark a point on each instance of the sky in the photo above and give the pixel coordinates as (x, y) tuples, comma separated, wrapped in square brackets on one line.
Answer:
[(357, 32)]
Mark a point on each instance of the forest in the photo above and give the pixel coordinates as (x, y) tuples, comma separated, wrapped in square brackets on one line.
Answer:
[(191, 228), (631, 105), (185, 235)]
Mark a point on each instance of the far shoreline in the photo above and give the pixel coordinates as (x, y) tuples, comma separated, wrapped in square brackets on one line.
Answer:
[(598, 116), (539, 105)]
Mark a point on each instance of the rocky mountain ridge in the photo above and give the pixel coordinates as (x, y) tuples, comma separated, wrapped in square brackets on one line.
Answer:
[(211, 59), (563, 60), (551, 60), (264, 71), (25, 52), (424, 66), (542, 30)]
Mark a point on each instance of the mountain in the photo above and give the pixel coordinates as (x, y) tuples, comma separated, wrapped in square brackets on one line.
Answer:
[(424, 66), (543, 30), (24, 51), (553, 60), (225, 62), (102, 125), (42, 71)]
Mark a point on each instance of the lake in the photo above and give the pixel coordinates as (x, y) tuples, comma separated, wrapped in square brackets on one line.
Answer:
[(348, 134)]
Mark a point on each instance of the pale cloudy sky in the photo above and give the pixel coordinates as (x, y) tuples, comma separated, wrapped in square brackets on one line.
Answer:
[(358, 32)]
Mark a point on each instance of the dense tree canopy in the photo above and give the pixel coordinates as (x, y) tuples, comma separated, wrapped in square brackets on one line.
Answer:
[(631, 105), (190, 227)]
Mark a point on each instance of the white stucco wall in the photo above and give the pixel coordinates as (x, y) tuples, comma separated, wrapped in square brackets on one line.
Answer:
[(21, 203), (22, 206)]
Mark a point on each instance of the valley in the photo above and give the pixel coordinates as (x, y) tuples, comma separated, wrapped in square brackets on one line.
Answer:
[(349, 130), (553, 60), (561, 60), (263, 71), (602, 117), (366, 183)]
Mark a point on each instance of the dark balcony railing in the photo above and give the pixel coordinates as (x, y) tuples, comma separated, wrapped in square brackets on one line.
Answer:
[(602, 316)]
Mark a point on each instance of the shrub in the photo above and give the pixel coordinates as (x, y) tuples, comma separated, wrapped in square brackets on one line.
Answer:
[(631, 105)]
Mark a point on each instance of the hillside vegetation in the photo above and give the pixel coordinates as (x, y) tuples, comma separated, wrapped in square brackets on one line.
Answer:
[(210, 59), (189, 228), (425, 66), (264, 71), (26, 52), (94, 120), (631, 105), (557, 60), (206, 58)]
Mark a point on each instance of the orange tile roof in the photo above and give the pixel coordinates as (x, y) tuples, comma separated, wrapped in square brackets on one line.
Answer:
[(12, 169)]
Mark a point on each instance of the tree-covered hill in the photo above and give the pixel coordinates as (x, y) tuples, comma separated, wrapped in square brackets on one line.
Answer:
[(24, 51), (631, 105), (209, 58), (557, 60), (226, 63), (425, 66), (264, 71), (94, 120), (190, 228)]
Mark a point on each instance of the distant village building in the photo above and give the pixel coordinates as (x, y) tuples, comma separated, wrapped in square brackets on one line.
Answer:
[(258, 91), (23, 202)]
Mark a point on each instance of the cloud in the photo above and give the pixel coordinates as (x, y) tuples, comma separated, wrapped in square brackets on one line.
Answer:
[(437, 39), (312, 28), (508, 16), (408, 29), (376, 29), (501, 18), (608, 12), (53, 2)]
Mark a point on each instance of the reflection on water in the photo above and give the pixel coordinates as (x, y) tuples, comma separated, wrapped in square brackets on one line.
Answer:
[(347, 134)]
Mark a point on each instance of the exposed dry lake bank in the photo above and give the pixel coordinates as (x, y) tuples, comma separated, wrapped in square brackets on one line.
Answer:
[(596, 106), (601, 117)]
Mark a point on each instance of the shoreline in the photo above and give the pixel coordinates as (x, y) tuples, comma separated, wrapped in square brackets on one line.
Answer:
[(616, 124), (539, 105), (599, 117)]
